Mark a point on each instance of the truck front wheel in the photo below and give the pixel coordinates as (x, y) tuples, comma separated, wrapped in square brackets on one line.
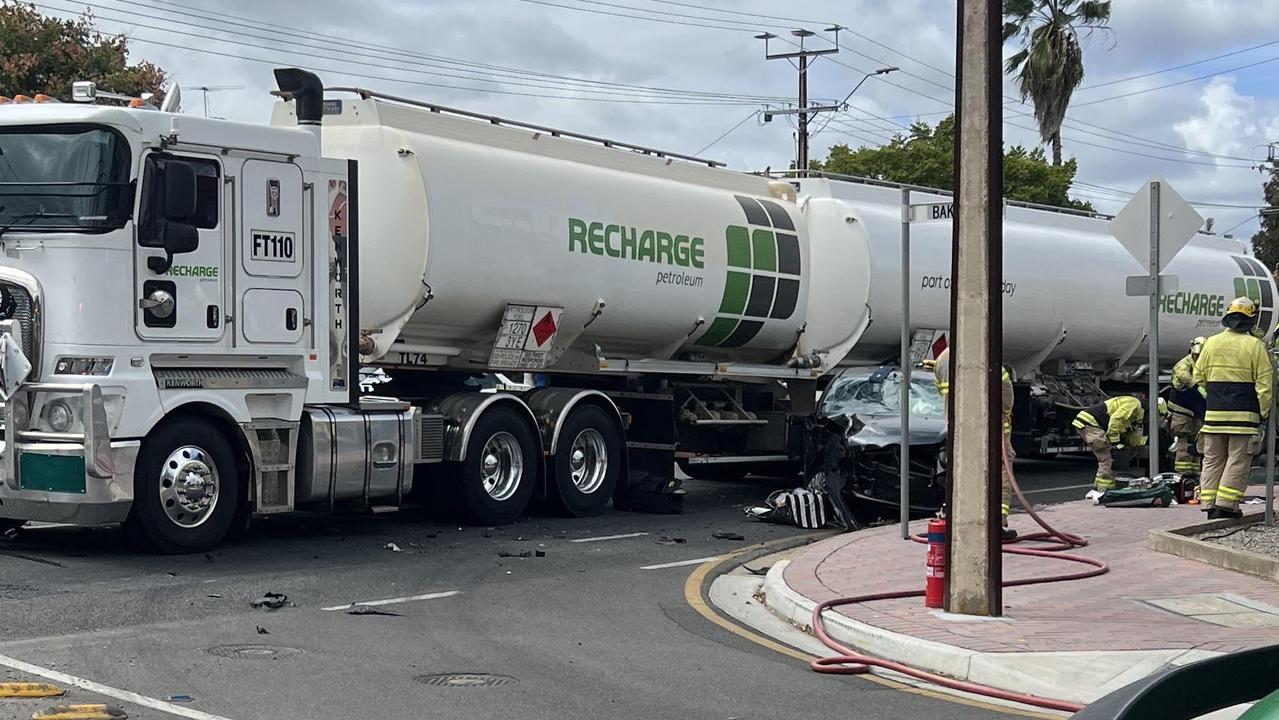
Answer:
[(588, 461), (494, 483), (185, 488)]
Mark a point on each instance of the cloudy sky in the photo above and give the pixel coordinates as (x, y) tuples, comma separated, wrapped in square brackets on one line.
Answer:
[(679, 74)]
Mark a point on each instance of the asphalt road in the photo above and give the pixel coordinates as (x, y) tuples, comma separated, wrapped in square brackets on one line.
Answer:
[(593, 629)]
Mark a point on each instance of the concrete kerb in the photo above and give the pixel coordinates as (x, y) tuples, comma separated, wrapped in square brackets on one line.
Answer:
[(1180, 542), (1075, 676)]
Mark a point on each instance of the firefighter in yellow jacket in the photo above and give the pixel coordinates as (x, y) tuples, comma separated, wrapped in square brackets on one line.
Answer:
[(1186, 405), (1107, 425), (1234, 375), (941, 375)]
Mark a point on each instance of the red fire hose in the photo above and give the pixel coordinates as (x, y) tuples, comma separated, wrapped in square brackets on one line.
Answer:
[(851, 662)]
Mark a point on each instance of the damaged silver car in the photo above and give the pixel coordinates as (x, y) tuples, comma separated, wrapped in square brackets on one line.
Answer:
[(853, 440)]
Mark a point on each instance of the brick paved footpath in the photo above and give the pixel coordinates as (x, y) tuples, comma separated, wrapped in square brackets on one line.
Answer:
[(1104, 613)]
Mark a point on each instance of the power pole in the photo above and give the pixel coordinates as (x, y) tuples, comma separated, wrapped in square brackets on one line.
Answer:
[(974, 566), (803, 111)]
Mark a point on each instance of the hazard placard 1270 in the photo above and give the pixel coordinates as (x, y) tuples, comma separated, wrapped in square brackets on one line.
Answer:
[(525, 337), (273, 246)]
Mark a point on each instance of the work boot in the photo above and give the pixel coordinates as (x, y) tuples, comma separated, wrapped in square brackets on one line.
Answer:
[(1009, 535), (1218, 513)]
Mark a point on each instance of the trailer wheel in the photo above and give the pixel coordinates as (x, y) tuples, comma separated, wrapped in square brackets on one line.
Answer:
[(588, 463), (185, 488), (495, 481)]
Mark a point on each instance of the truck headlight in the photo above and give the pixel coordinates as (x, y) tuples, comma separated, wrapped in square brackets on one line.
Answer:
[(58, 416)]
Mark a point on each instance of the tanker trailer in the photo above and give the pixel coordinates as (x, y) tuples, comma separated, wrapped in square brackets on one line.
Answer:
[(1071, 333), (672, 310)]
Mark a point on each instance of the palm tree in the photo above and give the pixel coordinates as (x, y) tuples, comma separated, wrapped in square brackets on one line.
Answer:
[(1050, 64)]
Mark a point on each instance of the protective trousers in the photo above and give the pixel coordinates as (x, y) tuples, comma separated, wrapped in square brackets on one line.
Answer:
[(1227, 466), (1006, 493), (1095, 439), (1185, 428)]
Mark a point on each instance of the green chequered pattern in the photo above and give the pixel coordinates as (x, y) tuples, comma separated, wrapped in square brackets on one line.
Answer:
[(764, 260)]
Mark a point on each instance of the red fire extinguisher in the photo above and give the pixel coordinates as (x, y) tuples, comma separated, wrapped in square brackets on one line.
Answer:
[(936, 564)]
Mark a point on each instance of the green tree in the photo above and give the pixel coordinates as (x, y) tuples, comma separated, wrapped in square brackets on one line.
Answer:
[(40, 54), (1265, 242), (1050, 64), (926, 156)]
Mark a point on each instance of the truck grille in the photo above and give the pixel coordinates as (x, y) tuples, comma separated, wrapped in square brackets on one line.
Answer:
[(16, 304)]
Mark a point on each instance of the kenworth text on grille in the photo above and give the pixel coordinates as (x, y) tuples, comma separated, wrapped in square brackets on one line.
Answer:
[(188, 304)]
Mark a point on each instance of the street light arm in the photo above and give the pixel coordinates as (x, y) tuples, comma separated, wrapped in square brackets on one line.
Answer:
[(867, 76)]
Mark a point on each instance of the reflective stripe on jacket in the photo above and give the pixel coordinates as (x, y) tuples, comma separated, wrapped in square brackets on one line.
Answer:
[(1233, 373), (1120, 417), (941, 376)]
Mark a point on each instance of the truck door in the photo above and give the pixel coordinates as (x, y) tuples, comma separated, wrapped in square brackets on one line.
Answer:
[(271, 264), (180, 295)]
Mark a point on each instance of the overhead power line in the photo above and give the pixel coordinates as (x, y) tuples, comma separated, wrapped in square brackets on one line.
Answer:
[(727, 132), (1172, 68), (416, 58), (1179, 82), (601, 94)]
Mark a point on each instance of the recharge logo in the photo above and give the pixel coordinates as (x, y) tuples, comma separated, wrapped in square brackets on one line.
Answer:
[(763, 279)]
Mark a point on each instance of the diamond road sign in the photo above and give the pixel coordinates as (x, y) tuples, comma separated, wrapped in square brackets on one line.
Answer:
[(1178, 222)]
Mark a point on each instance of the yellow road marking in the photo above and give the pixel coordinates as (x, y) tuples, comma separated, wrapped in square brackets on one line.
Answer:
[(80, 712), (693, 596), (28, 690)]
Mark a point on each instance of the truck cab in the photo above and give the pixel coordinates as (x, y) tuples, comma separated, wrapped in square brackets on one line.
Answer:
[(173, 293)]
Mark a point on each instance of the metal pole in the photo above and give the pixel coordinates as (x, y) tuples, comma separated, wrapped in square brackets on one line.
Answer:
[(1152, 409), (904, 457), (801, 154), (1270, 449)]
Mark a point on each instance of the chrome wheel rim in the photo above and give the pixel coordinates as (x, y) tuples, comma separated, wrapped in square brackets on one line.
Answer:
[(501, 466), (588, 461), (189, 486)]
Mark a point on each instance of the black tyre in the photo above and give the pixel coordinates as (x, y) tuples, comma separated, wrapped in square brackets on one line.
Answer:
[(186, 488), (494, 484), (587, 463), (723, 472), (6, 524)]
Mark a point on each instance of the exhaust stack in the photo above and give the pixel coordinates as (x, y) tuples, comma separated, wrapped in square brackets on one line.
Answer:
[(307, 93)]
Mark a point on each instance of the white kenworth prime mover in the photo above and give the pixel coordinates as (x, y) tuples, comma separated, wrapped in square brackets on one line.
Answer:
[(186, 305)]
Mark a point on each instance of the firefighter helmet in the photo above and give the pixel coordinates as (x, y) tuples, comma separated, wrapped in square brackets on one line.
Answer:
[(1240, 315)]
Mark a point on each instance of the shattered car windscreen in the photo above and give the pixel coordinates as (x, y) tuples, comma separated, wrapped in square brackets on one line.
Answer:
[(865, 396)]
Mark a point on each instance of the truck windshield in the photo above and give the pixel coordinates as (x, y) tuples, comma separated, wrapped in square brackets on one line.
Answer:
[(63, 177)]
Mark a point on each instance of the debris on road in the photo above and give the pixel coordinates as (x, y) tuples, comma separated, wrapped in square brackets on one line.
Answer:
[(179, 698), (756, 571), (213, 595), (80, 712), (271, 601), (262, 630), (539, 553), (28, 690), (367, 610), (10, 535), (524, 554), (728, 536), (668, 540), (392, 547)]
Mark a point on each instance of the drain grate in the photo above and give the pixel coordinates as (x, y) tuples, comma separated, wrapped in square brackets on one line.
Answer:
[(252, 652), (466, 680)]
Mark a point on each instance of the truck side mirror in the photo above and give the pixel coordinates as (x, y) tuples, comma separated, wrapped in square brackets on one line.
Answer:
[(176, 238), (179, 192)]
